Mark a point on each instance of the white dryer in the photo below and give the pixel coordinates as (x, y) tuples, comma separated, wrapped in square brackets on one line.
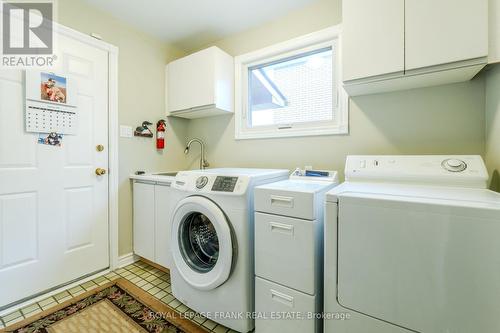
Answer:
[(212, 242), (412, 244)]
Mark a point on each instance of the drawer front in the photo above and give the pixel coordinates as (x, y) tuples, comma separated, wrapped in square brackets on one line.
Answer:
[(287, 203), (273, 300), (285, 251)]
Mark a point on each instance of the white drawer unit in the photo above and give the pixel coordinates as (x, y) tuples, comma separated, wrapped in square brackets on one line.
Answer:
[(294, 198), (288, 253), (283, 309), (285, 252)]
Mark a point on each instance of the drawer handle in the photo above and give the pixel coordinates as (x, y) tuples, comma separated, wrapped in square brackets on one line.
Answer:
[(282, 228), (282, 298), (277, 200)]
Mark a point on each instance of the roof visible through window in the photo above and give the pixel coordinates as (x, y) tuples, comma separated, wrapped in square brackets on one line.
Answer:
[(292, 90)]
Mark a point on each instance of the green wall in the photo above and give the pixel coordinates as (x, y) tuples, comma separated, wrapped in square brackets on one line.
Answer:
[(493, 124)]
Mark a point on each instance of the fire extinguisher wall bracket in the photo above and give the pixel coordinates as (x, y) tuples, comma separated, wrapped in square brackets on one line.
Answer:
[(160, 134)]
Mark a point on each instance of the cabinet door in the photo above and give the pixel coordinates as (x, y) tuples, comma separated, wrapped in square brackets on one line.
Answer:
[(144, 220), (190, 81), (444, 31), (372, 38), (164, 205)]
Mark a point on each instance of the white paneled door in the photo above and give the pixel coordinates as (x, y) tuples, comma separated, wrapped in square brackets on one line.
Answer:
[(53, 206)]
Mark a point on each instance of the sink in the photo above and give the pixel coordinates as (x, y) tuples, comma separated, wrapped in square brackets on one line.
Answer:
[(169, 174)]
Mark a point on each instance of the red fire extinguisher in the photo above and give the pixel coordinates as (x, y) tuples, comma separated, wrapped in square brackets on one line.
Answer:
[(160, 134)]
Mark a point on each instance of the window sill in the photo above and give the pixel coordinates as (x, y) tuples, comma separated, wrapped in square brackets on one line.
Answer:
[(291, 133)]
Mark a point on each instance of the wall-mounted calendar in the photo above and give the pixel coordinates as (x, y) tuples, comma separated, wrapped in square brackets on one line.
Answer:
[(50, 103)]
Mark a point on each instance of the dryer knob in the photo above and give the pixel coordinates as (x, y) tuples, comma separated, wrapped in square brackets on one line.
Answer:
[(201, 182), (454, 165)]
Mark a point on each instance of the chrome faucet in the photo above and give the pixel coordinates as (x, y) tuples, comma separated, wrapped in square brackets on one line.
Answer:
[(203, 161)]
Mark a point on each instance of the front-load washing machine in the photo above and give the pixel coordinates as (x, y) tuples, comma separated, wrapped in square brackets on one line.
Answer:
[(212, 242), (412, 245)]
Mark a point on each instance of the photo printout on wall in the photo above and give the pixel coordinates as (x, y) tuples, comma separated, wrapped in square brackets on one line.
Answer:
[(53, 88), (51, 103), (51, 139)]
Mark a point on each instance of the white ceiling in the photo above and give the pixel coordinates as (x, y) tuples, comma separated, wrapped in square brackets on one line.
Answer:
[(195, 23)]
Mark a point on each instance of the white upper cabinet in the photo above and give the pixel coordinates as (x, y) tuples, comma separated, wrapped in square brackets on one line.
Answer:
[(201, 84), (392, 45), (372, 38), (445, 31)]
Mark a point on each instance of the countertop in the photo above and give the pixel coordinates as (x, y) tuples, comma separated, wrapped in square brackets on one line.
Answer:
[(153, 177)]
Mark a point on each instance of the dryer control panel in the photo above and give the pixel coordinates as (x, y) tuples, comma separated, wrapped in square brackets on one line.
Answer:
[(447, 170)]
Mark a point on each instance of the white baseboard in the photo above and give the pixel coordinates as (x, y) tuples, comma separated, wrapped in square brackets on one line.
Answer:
[(53, 292), (127, 259), (124, 260)]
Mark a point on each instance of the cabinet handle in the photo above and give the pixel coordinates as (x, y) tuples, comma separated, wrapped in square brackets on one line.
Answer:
[(277, 200), (146, 182), (282, 298), (282, 228)]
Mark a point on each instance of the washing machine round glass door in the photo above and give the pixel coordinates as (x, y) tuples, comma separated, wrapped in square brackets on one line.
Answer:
[(202, 245)]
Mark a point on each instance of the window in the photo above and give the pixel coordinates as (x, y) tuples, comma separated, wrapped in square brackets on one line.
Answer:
[(291, 89)]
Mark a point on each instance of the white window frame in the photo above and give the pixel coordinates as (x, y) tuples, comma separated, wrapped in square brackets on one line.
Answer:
[(314, 41)]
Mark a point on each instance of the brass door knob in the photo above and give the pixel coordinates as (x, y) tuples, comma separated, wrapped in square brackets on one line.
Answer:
[(100, 171), (99, 148)]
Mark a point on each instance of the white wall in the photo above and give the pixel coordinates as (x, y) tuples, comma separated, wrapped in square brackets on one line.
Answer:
[(319, 15)]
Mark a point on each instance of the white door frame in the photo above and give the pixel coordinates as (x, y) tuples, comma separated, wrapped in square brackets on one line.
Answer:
[(112, 156), (112, 133)]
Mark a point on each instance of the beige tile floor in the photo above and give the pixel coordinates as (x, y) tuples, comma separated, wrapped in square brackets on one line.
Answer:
[(150, 279)]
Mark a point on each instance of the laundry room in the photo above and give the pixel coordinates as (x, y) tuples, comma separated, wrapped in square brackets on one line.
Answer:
[(250, 166)]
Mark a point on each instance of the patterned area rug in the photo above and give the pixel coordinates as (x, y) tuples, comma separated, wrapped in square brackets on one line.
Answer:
[(118, 306)]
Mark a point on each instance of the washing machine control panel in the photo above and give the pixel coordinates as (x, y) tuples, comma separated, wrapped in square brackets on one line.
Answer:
[(211, 183), (201, 182), (224, 184)]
